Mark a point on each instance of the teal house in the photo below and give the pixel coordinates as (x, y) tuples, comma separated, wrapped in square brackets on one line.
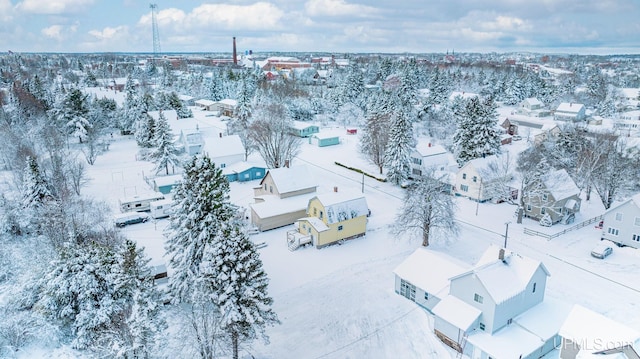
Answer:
[(323, 140), (164, 184), (303, 129), (244, 171)]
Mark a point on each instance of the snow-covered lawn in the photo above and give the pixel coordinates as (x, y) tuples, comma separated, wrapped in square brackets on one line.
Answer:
[(339, 302)]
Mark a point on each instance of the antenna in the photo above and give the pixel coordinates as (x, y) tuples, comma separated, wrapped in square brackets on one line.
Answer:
[(156, 36)]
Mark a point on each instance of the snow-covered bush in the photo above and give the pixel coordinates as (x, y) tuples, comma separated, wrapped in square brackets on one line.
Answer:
[(546, 221)]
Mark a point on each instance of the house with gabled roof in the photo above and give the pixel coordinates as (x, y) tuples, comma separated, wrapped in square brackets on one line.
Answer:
[(497, 303), (282, 197), (555, 196), (204, 104), (568, 111), (225, 150), (331, 218), (427, 156), (621, 224), (191, 141), (533, 107), (587, 334), (478, 178)]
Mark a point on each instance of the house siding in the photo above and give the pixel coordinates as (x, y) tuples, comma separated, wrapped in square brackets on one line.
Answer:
[(522, 302), (428, 304), (353, 227), (465, 288), (281, 220), (626, 228)]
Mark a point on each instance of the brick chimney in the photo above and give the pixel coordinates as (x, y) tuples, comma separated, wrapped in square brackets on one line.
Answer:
[(235, 54)]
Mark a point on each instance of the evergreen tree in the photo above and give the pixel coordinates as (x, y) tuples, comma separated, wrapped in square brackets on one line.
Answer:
[(145, 130), (35, 189), (74, 113), (375, 134), (216, 90), (477, 134), (233, 271), (165, 152), (201, 208), (398, 151)]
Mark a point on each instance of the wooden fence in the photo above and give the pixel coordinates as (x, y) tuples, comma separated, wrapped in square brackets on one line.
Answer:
[(531, 232)]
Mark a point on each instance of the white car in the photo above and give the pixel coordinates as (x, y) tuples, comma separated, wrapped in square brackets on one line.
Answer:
[(602, 250)]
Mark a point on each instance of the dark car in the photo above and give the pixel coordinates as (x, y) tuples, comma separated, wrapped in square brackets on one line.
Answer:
[(126, 219)]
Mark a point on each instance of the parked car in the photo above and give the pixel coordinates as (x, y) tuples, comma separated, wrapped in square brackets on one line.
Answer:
[(126, 219), (602, 250)]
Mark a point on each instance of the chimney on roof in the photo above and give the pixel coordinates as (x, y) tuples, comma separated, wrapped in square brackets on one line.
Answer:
[(335, 188), (429, 145), (235, 54), (286, 163), (501, 254)]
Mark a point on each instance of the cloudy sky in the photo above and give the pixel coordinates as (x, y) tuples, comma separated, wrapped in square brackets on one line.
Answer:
[(555, 26)]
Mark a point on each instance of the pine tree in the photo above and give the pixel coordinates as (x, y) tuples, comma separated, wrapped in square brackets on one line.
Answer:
[(232, 269), (145, 130), (216, 88), (477, 134), (398, 151), (35, 191), (375, 134), (165, 152), (201, 208), (74, 113)]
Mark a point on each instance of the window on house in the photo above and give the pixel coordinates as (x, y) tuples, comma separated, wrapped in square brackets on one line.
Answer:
[(246, 175), (426, 296), (482, 326), (534, 287), (619, 217), (464, 188), (407, 290), (478, 298), (464, 176), (637, 221), (258, 174), (509, 321), (612, 231), (340, 227), (223, 165), (636, 237), (545, 197), (475, 179), (315, 211), (321, 215), (528, 208), (543, 210), (265, 186)]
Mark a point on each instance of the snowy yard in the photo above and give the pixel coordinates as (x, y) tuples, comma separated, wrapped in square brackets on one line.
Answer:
[(339, 302)]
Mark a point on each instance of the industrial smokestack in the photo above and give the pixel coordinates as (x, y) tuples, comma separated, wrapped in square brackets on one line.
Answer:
[(235, 55)]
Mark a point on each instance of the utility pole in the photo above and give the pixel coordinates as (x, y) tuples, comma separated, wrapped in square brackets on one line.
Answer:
[(506, 234)]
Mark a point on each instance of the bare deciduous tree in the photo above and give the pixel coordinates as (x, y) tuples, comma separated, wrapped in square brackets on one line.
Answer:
[(272, 135), (429, 208), (373, 143)]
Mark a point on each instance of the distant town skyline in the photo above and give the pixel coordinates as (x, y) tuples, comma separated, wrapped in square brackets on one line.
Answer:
[(337, 26)]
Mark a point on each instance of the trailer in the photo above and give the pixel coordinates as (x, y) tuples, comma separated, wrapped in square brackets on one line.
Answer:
[(139, 203), (161, 208)]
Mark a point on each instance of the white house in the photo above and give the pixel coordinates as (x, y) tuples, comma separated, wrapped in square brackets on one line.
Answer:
[(204, 104), (480, 178), (497, 309), (585, 333), (225, 150), (191, 142), (427, 156), (424, 276), (568, 111), (621, 223), (533, 107)]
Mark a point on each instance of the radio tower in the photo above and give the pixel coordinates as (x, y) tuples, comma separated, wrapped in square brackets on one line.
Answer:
[(156, 36)]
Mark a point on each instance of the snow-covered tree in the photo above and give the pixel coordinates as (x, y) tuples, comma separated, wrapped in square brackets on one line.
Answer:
[(145, 130), (201, 209), (428, 208), (271, 133), (35, 189), (74, 113), (165, 152), (216, 90), (477, 134), (397, 157), (233, 271)]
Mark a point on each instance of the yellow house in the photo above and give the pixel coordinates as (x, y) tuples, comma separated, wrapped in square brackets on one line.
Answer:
[(331, 217)]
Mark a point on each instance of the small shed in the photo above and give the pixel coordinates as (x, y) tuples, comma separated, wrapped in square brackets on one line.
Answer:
[(165, 184), (323, 140), (352, 131)]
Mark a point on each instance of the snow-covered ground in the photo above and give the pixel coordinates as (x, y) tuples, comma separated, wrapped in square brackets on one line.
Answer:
[(339, 302)]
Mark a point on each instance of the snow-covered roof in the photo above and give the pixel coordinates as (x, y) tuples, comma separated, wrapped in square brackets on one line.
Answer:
[(510, 342), (204, 102), (533, 101), (343, 205), (185, 97), (630, 92), (429, 270), (168, 114), (560, 184), (594, 331), (167, 180), (274, 206), (569, 107), (224, 146), (463, 94), (192, 136), (317, 223), (456, 312), (291, 179), (325, 135), (299, 125), (504, 279), (427, 149), (482, 164), (229, 102)]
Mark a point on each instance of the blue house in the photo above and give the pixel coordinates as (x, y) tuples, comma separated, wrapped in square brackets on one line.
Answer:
[(302, 129), (323, 140), (244, 172), (165, 184)]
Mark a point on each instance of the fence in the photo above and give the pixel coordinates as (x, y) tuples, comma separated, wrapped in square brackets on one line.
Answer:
[(572, 228)]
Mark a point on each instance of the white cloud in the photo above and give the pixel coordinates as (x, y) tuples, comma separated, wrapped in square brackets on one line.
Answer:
[(52, 7), (337, 8), (53, 31), (6, 9), (110, 33)]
